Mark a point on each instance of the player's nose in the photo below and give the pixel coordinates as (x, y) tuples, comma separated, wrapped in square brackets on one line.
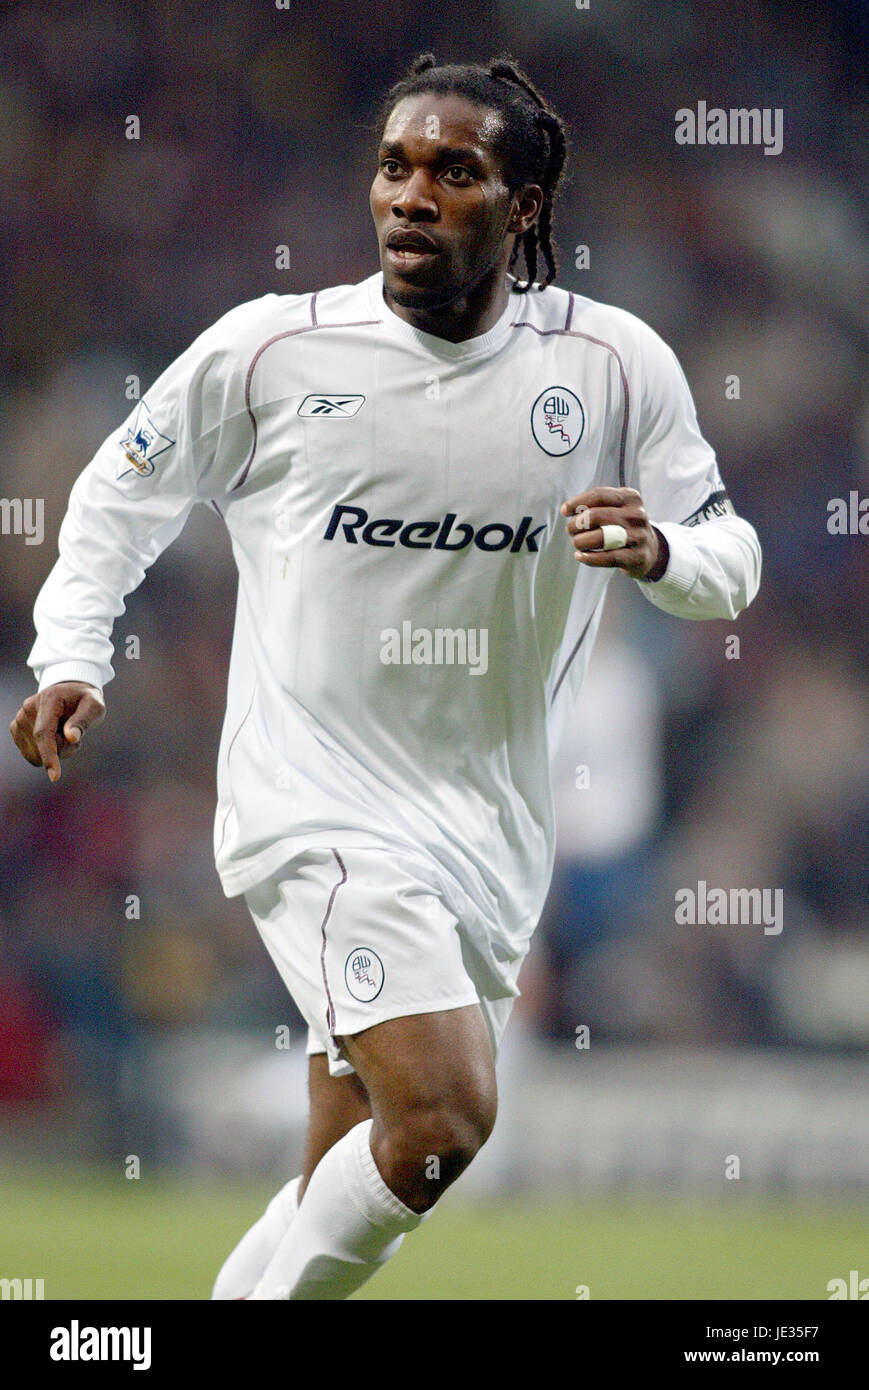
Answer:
[(414, 195)]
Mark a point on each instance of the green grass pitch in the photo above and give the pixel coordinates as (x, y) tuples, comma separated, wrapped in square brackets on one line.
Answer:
[(94, 1235)]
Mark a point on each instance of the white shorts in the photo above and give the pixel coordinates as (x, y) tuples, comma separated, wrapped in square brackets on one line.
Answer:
[(358, 937)]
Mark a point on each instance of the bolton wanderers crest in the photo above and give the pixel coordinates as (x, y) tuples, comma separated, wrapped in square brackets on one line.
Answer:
[(557, 420), (363, 974)]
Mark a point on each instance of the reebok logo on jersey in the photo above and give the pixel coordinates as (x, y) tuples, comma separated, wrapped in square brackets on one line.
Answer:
[(448, 534), (330, 406)]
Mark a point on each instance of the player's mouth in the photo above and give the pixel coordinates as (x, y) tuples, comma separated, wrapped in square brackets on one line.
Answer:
[(409, 250)]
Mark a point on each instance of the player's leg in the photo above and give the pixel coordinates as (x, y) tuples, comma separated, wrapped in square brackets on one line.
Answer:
[(337, 1103), (431, 1083), (433, 1095), (379, 965)]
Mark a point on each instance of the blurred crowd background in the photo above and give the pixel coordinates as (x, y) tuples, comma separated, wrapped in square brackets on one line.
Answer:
[(257, 129)]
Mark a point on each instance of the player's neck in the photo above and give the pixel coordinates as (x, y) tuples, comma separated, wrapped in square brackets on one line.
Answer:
[(468, 316)]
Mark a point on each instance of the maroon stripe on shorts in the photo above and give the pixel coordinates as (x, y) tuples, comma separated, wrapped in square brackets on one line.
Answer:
[(342, 880)]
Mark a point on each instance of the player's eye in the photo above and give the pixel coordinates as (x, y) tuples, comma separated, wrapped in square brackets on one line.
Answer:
[(460, 170), (384, 162)]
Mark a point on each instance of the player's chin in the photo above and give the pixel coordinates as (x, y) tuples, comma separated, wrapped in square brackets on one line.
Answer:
[(419, 288)]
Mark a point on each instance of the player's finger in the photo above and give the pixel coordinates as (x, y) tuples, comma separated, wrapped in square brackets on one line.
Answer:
[(45, 732), (600, 497), (589, 518), (21, 731), (607, 559), (88, 712), (589, 541)]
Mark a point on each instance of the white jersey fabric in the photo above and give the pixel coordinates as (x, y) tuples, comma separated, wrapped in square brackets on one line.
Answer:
[(379, 483)]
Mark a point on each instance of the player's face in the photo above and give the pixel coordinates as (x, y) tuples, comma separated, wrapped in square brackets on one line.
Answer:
[(439, 201)]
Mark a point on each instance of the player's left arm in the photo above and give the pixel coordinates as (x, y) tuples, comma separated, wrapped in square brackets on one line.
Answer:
[(693, 555)]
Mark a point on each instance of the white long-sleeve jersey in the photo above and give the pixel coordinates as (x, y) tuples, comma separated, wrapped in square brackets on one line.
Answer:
[(393, 504)]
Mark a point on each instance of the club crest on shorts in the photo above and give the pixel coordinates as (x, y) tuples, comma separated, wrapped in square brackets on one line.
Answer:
[(363, 974), (557, 420)]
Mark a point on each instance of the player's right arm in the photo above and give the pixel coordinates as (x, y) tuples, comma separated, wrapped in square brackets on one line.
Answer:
[(183, 442)]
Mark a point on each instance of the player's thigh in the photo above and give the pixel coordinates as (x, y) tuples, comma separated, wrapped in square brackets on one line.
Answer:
[(373, 955), (441, 1061)]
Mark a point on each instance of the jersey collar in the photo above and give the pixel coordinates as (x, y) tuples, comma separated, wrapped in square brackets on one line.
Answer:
[(480, 346)]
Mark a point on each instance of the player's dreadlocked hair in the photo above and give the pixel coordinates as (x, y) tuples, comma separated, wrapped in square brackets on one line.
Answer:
[(531, 144)]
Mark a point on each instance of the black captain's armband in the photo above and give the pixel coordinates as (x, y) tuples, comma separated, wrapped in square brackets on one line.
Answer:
[(718, 504)]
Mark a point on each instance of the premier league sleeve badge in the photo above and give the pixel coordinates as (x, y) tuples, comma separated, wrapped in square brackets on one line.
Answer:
[(142, 445)]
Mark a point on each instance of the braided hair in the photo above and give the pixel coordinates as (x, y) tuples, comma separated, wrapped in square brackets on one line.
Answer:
[(531, 142)]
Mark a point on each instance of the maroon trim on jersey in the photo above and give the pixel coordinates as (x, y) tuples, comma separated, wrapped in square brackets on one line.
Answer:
[(576, 648), (228, 751), (599, 342), (339, 884), (217, 509), (312, 327), (569, 332)]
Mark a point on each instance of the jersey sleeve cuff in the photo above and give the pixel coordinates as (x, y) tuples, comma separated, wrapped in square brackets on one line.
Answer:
[(683, 565), (84, 671)]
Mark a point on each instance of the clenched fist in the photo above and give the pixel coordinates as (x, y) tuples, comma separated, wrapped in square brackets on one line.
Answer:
[(643, 557)]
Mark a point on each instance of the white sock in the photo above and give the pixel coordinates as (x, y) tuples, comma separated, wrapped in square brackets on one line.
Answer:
[(239, 1275), (348, 1225)]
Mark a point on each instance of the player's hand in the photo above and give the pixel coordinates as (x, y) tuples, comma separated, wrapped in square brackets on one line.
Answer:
[(51, 724), (614, 506)]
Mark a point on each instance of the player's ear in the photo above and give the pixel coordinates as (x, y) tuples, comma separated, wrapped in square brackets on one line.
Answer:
[(527, 203)]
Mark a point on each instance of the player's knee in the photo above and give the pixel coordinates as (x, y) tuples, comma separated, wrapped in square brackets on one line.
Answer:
[(453, 1133), (431, 1146)]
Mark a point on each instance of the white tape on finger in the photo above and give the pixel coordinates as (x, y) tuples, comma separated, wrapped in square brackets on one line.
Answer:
[(614, 537)]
